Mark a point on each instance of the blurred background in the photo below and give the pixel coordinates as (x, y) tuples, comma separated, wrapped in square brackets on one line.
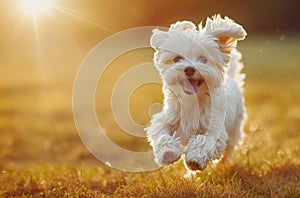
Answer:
[(42, 47)]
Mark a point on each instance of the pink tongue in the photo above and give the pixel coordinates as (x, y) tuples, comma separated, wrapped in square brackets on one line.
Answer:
[(190, 86)]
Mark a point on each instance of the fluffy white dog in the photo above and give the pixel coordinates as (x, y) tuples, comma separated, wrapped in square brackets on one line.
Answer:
[(203, 110)]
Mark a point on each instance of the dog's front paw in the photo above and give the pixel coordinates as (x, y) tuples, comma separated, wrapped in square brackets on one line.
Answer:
[(199, 152), (166, 150), (195, 165), (168, 157)]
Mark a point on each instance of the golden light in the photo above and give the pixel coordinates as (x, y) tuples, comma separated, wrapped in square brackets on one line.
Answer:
[(35, 7)]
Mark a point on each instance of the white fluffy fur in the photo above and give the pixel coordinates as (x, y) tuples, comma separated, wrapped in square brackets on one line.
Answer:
[(207, 124)]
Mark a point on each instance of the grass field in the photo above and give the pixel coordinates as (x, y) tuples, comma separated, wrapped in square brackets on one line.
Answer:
[(41, 154)]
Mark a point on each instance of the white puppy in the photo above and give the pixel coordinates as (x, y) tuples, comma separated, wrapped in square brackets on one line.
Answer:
[(203, 110)]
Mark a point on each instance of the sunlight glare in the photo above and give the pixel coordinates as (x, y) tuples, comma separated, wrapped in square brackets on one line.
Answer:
[(35, 7)]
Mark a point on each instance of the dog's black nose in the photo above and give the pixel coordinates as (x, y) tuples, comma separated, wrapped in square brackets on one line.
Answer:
[(189, 71)]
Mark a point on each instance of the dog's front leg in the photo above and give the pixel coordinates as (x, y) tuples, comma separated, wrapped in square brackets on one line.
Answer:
[(204, 148), (211, 145), (162, 137)]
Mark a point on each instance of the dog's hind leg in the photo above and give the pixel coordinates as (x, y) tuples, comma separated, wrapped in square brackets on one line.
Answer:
[(236, 136)]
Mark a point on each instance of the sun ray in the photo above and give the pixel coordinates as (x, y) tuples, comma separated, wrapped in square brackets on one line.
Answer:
[(81, 16)]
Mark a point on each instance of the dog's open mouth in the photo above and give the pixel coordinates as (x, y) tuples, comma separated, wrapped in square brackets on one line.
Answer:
[(191, 86)]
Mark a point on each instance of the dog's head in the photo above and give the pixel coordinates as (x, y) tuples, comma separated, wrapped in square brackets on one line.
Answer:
[(195, 59)]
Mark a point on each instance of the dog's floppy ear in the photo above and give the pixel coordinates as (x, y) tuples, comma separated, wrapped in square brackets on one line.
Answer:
[(226, 31), (183, 25), (157, 38)]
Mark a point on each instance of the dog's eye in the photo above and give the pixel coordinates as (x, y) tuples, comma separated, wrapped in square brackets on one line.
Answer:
[(177, 59), (203, 59)]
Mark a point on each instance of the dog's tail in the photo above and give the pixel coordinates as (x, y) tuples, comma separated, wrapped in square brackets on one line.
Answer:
[(235, 68)]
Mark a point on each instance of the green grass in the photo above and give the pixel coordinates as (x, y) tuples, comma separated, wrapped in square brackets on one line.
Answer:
[(41, 154)]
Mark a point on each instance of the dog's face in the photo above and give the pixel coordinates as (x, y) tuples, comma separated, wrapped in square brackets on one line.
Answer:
[(195, 59)]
